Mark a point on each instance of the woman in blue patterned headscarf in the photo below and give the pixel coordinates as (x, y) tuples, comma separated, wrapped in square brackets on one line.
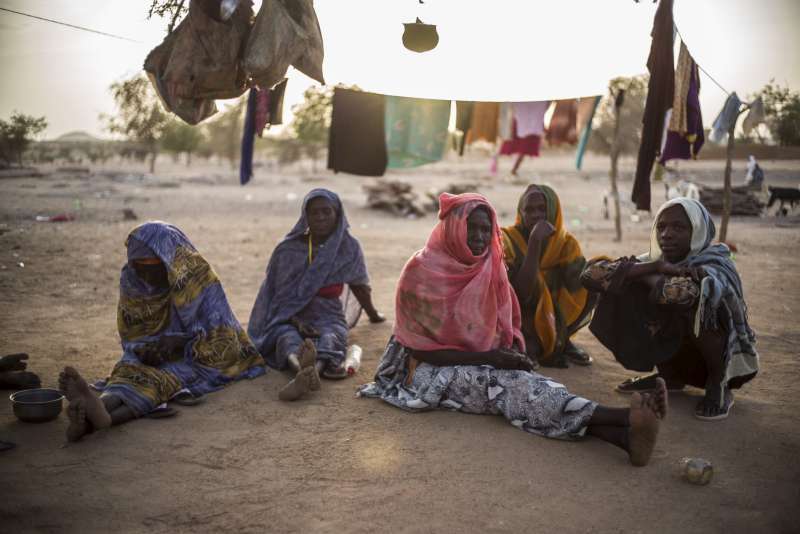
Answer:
[(297, 319), (179, 335)]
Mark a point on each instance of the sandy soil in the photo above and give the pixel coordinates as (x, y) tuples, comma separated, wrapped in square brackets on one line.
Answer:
[(246, 462)]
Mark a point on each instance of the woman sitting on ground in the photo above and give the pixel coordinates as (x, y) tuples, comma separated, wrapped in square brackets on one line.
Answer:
[(679, 308), (298, 320), (180, 339), (457, 343), (544, 266)]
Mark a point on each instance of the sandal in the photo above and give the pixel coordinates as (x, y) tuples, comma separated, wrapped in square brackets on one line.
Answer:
[(577, 355), (645, 384), (184, 398), (556, 360), (334, 372), (708, 409), (162, 412)]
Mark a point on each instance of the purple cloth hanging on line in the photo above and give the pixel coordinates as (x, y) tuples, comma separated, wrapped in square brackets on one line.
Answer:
[(687, 146)]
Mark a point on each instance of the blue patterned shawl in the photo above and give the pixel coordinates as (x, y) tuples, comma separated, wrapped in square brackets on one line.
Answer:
[(721, 292), (217, 350), (291, 284)]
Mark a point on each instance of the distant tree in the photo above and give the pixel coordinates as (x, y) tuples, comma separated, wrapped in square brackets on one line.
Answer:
[(16, 134), (631, 113), (312, 119), (181, 138), (782, 107), (140, 117), (223, 133)]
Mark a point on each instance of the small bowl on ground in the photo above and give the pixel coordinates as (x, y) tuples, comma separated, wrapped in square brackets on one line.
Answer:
[(37, 405)]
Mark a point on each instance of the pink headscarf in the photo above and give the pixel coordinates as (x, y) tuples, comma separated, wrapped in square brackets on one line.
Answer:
[(447, 298)]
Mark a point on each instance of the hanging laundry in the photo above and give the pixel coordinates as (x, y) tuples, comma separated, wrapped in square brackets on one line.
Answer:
[(526, 146), (416, 130), (269, 107), (529, 117), (726, 118), (484, 122), (248, 138), (562, 127), (463, 122), (583, 125), (660, 90), (284, 33), (686, 142), (505, 120), (357, 139), (683, 74), (754, 117)]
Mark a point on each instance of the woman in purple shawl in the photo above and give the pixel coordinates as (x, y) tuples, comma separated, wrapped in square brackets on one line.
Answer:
[(298, 320)]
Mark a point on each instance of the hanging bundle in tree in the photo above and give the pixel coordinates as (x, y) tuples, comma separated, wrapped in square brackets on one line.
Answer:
[(201, 61), (286, 32)]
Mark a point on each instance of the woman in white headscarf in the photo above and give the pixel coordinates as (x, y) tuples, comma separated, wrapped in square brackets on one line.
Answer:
[(679, 308)]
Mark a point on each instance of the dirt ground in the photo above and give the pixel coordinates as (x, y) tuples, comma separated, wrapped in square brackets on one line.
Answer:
[(246, 462)]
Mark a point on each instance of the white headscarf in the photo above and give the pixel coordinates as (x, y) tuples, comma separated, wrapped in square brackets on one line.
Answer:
[(703, 229)]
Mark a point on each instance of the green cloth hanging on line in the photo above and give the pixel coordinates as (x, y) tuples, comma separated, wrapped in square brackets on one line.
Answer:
[(586, 108), (416, 130)]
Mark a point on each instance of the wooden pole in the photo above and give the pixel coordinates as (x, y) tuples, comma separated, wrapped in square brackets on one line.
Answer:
[(614, 167), (726, 191)]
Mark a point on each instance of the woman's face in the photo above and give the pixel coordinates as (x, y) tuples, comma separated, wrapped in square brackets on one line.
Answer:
[(321, 217), (534, 209), (674, 233), (152, 273), (479, 231)]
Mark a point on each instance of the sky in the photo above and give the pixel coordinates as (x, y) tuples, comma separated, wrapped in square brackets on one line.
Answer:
[(498, 50)]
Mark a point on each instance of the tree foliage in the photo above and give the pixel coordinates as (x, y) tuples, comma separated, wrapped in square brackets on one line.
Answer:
[(312, 119), (16, 134), (172, 10), (181, 138), (140, 117), (223, 133), (631, 114), (782, 108)]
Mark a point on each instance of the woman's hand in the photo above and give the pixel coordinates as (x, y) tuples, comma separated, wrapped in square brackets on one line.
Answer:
[(511, 359), (667, 269), (540, 232)]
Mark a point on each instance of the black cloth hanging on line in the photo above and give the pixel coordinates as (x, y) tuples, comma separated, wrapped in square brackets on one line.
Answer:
[(357, 137), (660, 91), (463, 122)]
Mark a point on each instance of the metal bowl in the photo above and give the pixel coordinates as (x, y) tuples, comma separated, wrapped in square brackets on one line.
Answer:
[(37, 405)]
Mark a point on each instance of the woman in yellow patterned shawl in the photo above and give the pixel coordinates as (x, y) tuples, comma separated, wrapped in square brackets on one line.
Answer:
[(180, 339), (544, 265)]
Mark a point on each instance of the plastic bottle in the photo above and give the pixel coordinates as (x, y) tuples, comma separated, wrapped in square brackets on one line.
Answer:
[(352, 360)]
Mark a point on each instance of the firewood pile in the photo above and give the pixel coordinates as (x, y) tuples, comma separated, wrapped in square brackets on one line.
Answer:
[(399, 198), (454, 189), (743, 201), (394, 196)]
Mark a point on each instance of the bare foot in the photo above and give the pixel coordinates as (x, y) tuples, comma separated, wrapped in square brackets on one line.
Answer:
[(75, 388), (298, 387), (307, 354), (659, 399), (308, 358), (78, 427), (643, 430)]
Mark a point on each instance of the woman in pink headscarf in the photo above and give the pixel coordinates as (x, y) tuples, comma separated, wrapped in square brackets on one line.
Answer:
[(457, 343)]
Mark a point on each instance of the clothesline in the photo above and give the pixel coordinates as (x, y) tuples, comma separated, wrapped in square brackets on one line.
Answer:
[(704, 71), (82, 28)]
